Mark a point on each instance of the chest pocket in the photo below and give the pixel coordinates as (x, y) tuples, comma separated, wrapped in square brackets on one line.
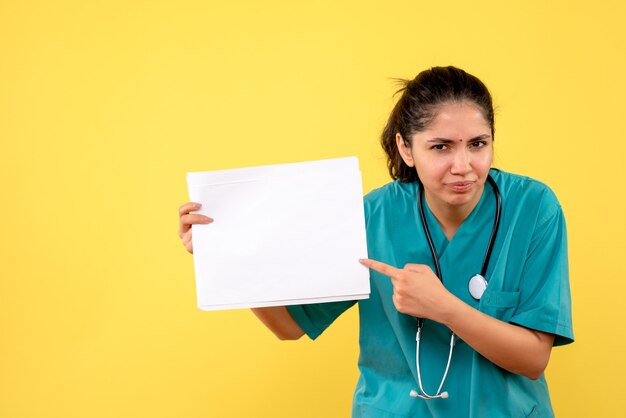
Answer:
[(499, 304)]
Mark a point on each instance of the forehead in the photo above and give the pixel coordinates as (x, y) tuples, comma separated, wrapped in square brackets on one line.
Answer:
[(465, 115)]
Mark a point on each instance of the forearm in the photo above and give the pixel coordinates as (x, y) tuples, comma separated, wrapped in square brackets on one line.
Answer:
[(514, 348), (280, 322)]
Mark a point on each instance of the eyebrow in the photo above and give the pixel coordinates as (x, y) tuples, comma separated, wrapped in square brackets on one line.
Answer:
[(448, 140)]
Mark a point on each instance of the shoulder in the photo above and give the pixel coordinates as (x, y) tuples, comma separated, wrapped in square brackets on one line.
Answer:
[(392, 196), (527, 193), (390, 193)]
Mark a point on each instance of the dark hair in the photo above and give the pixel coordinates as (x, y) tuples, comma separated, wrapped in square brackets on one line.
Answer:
[(417, 107)]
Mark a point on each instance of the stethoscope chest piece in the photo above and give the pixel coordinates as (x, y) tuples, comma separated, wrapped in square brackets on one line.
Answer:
[(477, 286)]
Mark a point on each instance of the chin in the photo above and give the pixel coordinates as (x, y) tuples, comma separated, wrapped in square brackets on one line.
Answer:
[(460, 199)]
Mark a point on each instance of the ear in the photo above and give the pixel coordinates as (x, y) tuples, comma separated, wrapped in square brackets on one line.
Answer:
[(405, 150)]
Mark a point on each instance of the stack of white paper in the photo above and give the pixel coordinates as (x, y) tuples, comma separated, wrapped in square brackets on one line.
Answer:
[(283, 234)]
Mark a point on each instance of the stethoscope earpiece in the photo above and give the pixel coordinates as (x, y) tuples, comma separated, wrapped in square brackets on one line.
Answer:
[(414, 394)]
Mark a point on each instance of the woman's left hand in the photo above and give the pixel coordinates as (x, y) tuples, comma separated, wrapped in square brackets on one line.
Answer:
[(417, 291)]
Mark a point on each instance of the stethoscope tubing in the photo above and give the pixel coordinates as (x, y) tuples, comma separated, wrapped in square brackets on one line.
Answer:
[(494, 230), (492, 238), (485, 265)]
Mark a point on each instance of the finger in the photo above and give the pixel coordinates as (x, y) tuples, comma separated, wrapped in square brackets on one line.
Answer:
[(195, 219), (187, 242), (188, 207), (382, 268), (187, 220), (184, 210), (418, 268)]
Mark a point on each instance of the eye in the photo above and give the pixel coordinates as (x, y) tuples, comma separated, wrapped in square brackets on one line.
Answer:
[(439, 147), (478, 144)]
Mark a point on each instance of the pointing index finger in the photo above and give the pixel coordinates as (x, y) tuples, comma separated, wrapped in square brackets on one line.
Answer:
[(382, 268)]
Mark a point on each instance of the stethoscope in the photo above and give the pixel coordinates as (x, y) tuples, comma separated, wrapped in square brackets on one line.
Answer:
[(477, 286)]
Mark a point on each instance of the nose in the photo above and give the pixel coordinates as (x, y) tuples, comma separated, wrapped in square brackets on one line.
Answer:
[(461, 162)]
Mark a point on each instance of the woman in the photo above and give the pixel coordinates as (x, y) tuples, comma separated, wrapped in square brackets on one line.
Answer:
[(492, 338)]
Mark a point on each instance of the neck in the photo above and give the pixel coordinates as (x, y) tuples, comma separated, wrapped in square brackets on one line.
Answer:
[(450, 217)]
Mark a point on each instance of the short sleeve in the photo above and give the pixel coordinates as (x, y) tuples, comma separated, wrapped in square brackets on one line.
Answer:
[(315, 318), (545, 300)]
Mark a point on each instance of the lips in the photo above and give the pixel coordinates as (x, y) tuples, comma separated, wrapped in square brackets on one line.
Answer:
[(460, 186)]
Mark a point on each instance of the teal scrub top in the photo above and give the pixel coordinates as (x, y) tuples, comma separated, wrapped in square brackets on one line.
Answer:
[(528, 286)]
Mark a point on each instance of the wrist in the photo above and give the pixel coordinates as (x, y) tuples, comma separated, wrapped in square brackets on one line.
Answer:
[(451, 307)]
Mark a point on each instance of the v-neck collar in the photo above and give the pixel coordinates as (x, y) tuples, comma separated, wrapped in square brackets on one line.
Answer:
[(440, 240)]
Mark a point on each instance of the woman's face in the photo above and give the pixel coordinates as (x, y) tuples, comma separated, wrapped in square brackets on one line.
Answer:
[(452, 156)]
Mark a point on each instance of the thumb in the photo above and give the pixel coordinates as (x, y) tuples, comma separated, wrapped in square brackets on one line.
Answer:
[(418, 268)]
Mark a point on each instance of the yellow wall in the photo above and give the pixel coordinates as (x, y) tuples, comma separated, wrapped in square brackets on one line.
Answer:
[(105, 105)]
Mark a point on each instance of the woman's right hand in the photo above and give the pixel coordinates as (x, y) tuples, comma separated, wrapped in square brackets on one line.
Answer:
[(277, 318), (186, 219)]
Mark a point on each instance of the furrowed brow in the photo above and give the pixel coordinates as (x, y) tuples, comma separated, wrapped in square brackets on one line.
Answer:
[(448, 140)]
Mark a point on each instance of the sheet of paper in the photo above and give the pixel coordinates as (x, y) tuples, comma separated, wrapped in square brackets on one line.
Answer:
[(283, 234)]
